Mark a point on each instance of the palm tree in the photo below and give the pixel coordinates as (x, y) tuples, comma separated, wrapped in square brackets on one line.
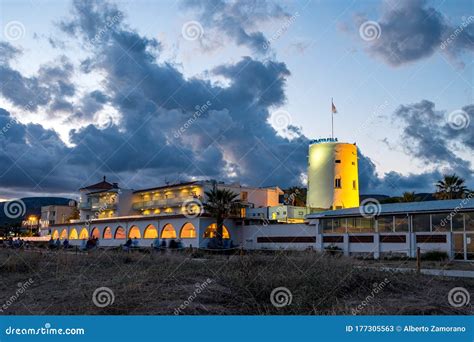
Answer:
[(451, 187), (408, 197), (220, 204), (295, 196)]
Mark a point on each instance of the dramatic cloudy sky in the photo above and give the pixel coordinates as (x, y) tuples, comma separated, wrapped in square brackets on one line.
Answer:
[(153, 91)]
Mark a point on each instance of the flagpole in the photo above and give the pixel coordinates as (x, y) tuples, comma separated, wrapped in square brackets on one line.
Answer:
[(332, 120)]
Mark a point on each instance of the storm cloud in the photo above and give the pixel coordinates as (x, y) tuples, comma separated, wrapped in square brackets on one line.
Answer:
[(169, 127), (238, 20), (410, 30)]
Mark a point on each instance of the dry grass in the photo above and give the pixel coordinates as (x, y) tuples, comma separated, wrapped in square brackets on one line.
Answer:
[(143, 283)]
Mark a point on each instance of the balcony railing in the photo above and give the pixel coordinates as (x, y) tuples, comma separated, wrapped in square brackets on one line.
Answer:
[(103, 206), (163, 203), (84, 205)]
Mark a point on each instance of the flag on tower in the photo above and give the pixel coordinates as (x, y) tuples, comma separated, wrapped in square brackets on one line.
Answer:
[(333, 107)]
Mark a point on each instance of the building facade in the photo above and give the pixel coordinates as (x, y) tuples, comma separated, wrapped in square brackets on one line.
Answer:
[(396, 230), (55, 214)]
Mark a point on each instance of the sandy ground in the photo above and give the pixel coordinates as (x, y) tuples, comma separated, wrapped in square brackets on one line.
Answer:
[(305, 283)]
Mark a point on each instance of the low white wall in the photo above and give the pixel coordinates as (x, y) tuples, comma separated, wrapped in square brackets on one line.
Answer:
[(251, 234)]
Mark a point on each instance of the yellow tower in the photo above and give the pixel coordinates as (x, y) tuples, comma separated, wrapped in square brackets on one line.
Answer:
[(333, 178)]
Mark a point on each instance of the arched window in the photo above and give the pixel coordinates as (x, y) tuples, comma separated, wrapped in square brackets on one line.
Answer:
[(63, 234), (212, 229), (107, 233), (134, 233), (84, 234), (73, 234), (95, 233), (55, 234), (150, 232), (119, 233), (188, 231), (168, 232)]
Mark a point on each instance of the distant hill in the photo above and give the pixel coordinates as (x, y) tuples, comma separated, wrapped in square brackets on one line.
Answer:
[(377, 197), (420, 197), (20, 209)]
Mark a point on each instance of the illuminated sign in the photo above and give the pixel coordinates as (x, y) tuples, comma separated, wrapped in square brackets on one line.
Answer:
[(322, 140)]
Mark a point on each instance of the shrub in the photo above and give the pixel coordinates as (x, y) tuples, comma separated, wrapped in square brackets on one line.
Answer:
[(333, 250), (434, 256)]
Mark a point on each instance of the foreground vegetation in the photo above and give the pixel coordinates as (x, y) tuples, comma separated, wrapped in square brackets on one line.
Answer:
[(144, 283)]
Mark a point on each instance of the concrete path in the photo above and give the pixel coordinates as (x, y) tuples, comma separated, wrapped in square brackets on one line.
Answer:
[(435, 272)]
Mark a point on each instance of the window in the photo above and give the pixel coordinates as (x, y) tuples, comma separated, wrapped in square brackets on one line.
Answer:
[(458, 222), (469, 217), (150, 232), (339, 225), (168, 232), (188, 231), (353, 163), (385, 223), (211, 232), (421, 223), (337, 161), (354, 185), (440, 222), (401, 223), (326, 225), (244, 195), (360, 224), (134, 233), (337, 183)]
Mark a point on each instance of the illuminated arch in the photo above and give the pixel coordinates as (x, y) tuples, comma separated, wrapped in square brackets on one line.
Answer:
[(73, 234), (119, 233), (95, 233), (211, 232), (150, 232), (188, 231), (134, 232), (168, 232), (55, 234), (84, 234), (107, 233), (63, 234)]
